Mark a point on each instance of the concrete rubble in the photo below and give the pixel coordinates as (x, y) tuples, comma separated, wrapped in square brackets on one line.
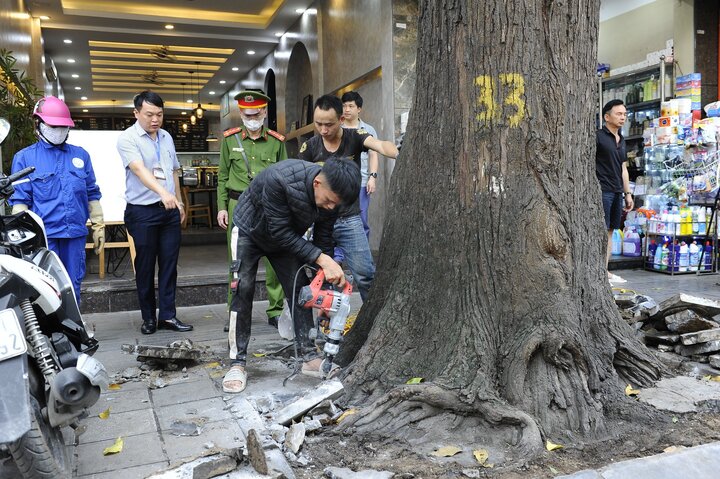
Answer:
[(345, 473)]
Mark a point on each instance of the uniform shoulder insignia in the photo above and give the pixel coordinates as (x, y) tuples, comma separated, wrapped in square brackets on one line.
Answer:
[(276, 134), (232, 131), (362, 131), (303, 147)]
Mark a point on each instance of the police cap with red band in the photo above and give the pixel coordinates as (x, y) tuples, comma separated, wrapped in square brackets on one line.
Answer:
[(254, 100)]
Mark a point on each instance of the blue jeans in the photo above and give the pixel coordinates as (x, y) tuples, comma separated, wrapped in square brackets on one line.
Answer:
[(364, 199), (350, 237), (72, 254)]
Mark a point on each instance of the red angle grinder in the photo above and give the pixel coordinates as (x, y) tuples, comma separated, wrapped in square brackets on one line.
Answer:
[(334, 309)]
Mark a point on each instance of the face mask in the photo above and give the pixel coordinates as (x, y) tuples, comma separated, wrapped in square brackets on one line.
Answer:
[(55, 135), (252, 125)]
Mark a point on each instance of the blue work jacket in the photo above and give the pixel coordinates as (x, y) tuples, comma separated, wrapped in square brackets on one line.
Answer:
[(59, 189)]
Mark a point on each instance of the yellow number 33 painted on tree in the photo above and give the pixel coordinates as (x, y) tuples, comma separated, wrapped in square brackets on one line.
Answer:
[(511, 83)]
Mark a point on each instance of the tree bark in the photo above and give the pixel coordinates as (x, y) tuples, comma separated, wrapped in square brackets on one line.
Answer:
[(491, 282)]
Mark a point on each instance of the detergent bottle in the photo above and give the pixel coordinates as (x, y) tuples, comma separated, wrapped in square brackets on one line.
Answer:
[(708, 257), (685, 221), (652, 251), (702, 226), (694, 256), (664, 257), (684, 257), (631, 243), (617, 240), (657, 262)]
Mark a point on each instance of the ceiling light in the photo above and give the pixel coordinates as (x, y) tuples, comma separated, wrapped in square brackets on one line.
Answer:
[(188, 101), (169, 27), (71, 60), (193, 119), (211, 137), (300, 10), (311, 11), (44, 17), (211, 93), (83, 98), (183, 113), (235, 69), (68, 41), (78, 88), (251, 52), (85, 110), (75, 75), (222, 82)]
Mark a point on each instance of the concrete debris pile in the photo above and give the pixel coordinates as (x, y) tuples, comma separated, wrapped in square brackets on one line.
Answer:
[(682, 324)]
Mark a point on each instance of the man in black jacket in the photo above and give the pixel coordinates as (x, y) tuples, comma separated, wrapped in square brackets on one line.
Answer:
[(271, 217)]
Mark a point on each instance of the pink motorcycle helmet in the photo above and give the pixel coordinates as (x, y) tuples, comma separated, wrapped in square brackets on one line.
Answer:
[(53, 112)]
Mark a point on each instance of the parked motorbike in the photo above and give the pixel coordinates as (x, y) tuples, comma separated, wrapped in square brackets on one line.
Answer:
[(48, 376)]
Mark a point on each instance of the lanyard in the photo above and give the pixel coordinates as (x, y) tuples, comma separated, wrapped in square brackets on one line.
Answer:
[(242, 152)]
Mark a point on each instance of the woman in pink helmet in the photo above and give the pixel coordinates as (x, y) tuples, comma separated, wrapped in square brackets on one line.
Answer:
[(62, 189)]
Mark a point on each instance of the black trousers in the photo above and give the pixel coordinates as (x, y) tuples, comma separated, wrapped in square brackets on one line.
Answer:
[(247, 254), (156, 232)]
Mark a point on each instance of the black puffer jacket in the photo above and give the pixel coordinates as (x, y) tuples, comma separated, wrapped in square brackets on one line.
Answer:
[(278, 207)]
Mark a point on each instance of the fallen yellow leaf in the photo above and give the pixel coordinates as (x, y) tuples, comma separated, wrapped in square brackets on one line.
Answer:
[(446, 451), (715, 378), (415, 381), (629, 391), (551, 446), (482, 456), (115, 448), (214, 364), (114, 387), (347, 413), (258, 355), (105, 414)]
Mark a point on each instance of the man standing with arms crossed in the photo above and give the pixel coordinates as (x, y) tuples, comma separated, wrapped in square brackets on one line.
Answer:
[(154, 211), (612, 173), (246, 151)]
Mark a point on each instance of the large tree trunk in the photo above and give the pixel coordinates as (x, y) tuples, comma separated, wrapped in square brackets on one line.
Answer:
[(491, 283)]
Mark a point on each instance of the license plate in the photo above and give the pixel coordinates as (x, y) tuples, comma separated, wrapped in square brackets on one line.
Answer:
[(12, 339)]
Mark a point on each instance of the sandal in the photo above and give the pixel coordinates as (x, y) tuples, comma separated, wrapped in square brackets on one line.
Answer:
[(314, 368), (235, 380)]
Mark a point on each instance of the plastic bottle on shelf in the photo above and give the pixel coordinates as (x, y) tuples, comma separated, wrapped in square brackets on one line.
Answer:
[(702, 226), (617, 240), (685, 221), (695, 218), (708, 257), (694, 256), (664, 257), (674, 260), (631, 243), (684, 257), (676, 224), (651, 261)]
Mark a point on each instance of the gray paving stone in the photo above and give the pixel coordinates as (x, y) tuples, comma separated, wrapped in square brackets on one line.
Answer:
[(224, 434), (202, 388), (139, 450), (214, 409), (680, 394), (121, 401), (130, 423), (137, 472)]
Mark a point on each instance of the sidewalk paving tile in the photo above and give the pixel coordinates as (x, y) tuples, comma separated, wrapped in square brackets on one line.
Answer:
[(137, 472), (138, 450), (130, 423), (223, 434), (202, 388), (121, 401), (213, 409)]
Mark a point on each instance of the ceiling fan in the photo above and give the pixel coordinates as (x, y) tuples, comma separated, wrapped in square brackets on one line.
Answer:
[(162, 53), (153, 77)]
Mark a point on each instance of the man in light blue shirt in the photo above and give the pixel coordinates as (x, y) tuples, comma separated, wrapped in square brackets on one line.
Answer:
[(154, 211)]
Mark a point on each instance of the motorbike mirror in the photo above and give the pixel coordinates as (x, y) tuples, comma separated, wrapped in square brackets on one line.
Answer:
[(4, 129)]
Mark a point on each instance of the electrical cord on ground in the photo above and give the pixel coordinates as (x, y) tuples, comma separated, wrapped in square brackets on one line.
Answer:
[(298, 360)]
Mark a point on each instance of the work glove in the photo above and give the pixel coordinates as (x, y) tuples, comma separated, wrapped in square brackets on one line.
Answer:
[(98, 226), (19, 207)]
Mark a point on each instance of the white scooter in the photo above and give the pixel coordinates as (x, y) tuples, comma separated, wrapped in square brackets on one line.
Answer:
[(48, 378)]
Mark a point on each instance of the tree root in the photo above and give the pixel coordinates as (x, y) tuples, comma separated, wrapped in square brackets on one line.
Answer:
[(409, 404)]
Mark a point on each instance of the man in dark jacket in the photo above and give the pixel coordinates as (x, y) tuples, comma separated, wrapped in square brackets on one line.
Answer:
[(271, 217)]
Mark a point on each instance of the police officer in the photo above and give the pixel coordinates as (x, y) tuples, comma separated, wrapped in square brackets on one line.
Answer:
[(62, 189), (246, 151)]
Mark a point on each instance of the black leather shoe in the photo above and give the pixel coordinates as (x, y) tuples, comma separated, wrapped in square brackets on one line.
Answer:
[(175, 325), (273, 322), (149, 326)]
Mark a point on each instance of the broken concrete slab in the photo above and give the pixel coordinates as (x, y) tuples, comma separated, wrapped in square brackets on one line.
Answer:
[(267, 459), (665, 348), (256, 453), (702, 348), (688, 321), (295, 437), (714, 360), (345, 473), (162, 352), (680, 394), (653, 338), (197, 468), (220, 464), (700, 337), (680, 302), (326, 390)]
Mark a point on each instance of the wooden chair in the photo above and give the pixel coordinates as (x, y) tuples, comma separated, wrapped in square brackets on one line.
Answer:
[(200, 210), (129, 244)]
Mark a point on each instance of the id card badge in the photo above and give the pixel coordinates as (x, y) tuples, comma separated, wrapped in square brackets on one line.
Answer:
[(159, 174)]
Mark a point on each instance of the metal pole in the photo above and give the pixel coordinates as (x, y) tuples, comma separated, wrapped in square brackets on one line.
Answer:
[(662, 78)]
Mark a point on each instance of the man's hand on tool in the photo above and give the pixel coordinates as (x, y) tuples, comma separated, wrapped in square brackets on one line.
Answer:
[(334, 274)]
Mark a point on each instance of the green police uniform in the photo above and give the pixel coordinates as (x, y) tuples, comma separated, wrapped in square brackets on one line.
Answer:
[(233, 178)]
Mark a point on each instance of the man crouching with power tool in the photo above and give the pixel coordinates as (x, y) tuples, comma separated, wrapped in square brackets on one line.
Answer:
[(270, 219)]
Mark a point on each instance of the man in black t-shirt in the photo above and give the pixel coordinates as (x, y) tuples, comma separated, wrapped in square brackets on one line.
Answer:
[(335, 141), (611, 169)]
